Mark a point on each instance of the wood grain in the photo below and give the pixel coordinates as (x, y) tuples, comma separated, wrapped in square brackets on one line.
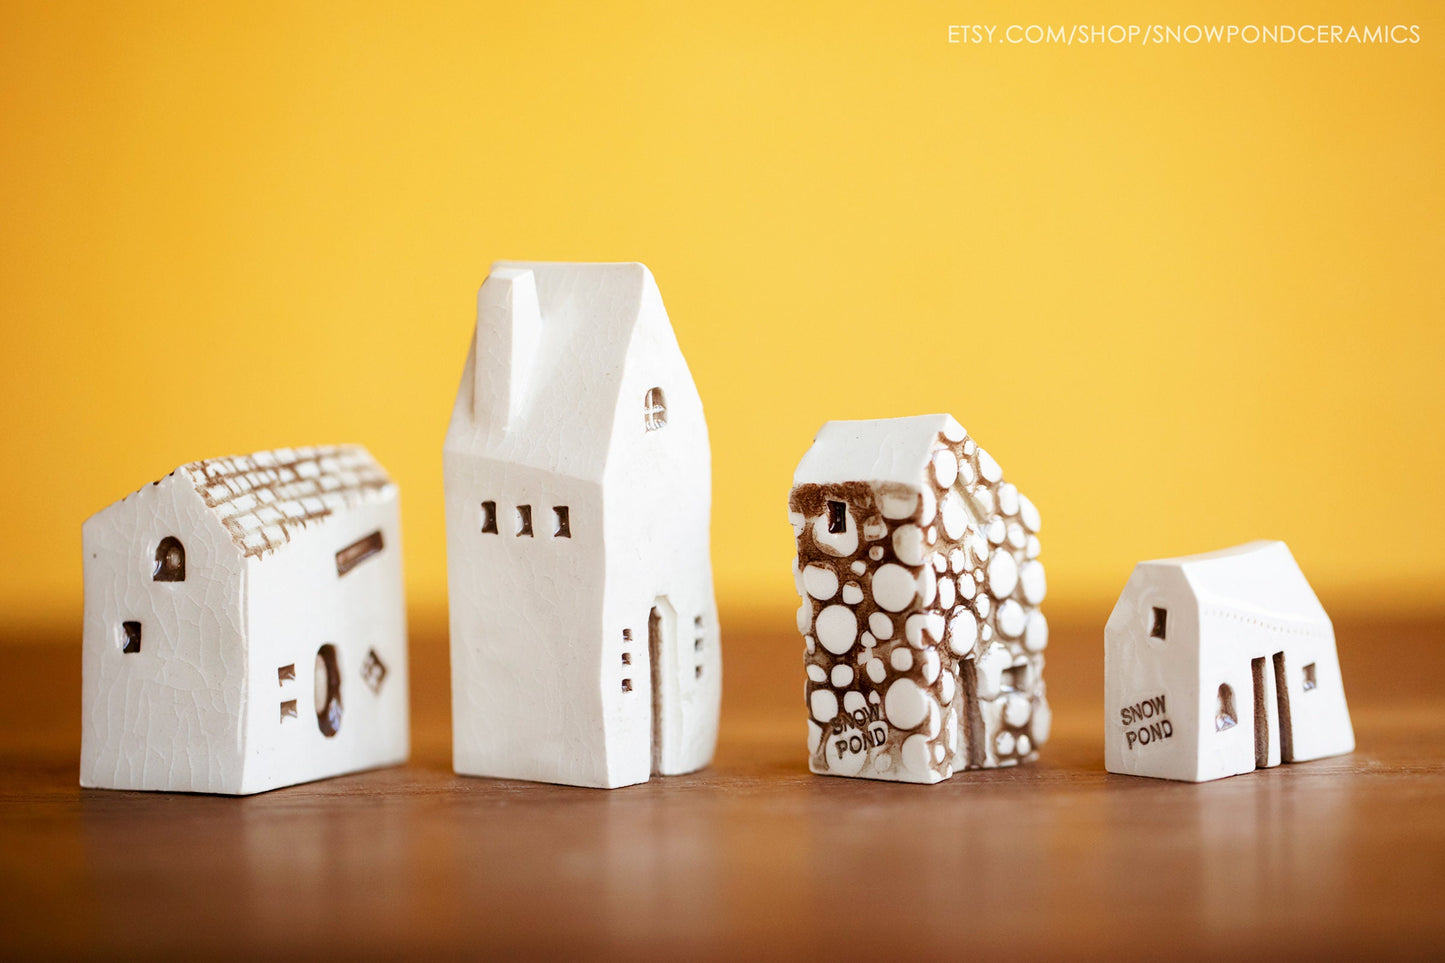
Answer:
[(754, 856)]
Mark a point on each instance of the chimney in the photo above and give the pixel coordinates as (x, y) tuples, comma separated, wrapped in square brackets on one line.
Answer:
[(509, 328)]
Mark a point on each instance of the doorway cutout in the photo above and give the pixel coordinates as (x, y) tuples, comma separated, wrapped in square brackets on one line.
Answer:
[(662, 666), (1281, 693), (1261, 716)]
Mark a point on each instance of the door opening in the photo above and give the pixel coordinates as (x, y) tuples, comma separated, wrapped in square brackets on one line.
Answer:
[(1281, 693), (655, 655), (973, 730), (1261, 715)]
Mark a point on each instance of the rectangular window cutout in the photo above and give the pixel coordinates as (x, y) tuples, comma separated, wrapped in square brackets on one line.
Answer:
[(1161, 619), (288, 709), (564, 523), (1310, 682), (357, 552), (626, 685), (1015, 678), (489, 518), (130, 637), (524, 520), (627, 635), (285, 674), (697, 672), (837, 518), (697, 644)]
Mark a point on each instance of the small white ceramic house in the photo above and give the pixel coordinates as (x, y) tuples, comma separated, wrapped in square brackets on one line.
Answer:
[(244, 626), (584, 634), (920, 582), (1218, 664)]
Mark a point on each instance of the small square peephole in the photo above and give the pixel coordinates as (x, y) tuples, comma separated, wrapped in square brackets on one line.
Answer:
[(1161, 619)]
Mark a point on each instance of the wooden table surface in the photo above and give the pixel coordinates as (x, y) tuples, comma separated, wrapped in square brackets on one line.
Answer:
[(753, 856)]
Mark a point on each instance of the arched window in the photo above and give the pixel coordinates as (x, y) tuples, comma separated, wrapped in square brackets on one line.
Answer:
[(328, 691), (1227, 717), (654, 409), (170, 561)]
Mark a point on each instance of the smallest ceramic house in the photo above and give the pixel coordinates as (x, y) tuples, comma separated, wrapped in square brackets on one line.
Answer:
[(244, 626), (1220, 663), (920, 582)]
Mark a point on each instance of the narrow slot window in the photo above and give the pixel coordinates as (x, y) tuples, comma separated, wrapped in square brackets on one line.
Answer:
[(837, 518), (288, 709), (130, 637), (564, 522), (285, 674), (627, 658), (489, 518), (357, 552), (626, 685), (1310, 681), (524, 520), (1161, 623)]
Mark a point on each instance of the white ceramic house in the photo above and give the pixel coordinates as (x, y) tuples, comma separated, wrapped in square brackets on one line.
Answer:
[(1220, 663), (920, 582), (244, 626), (584, 633)]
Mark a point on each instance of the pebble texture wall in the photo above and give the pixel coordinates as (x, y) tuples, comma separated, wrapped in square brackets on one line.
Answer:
[(924, 640)]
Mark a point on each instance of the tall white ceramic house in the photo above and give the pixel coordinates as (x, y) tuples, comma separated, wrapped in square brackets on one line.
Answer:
[(584, 633), (920, 582), (1220, 663), (245, 627)]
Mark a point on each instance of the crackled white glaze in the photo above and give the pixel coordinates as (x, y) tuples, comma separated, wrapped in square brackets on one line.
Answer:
[(284, 552), (576, 397), (1218, 664), (951, 667)]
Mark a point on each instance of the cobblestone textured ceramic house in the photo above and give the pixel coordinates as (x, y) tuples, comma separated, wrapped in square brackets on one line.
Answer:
[(245, 626), (920, 582), (578, 495), (1218, 664)]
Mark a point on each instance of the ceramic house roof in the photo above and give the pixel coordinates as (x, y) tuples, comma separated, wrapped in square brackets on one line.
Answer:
[(876, 450), (1260, 576), (590, 316), (266, 499)]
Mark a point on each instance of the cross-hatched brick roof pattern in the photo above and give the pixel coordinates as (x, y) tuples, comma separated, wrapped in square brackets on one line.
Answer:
[(267, 498)]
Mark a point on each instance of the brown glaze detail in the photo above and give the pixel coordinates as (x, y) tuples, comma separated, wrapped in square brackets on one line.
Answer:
[(130, 635), (1261, 719), (1281, 694), (811, 500), (373, 671), (245, 490), (328, 708), (357, 552), (973, 730), (170, 561), (285, 674)]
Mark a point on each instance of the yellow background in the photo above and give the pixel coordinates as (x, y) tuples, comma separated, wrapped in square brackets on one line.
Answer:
[(1188, 296)]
